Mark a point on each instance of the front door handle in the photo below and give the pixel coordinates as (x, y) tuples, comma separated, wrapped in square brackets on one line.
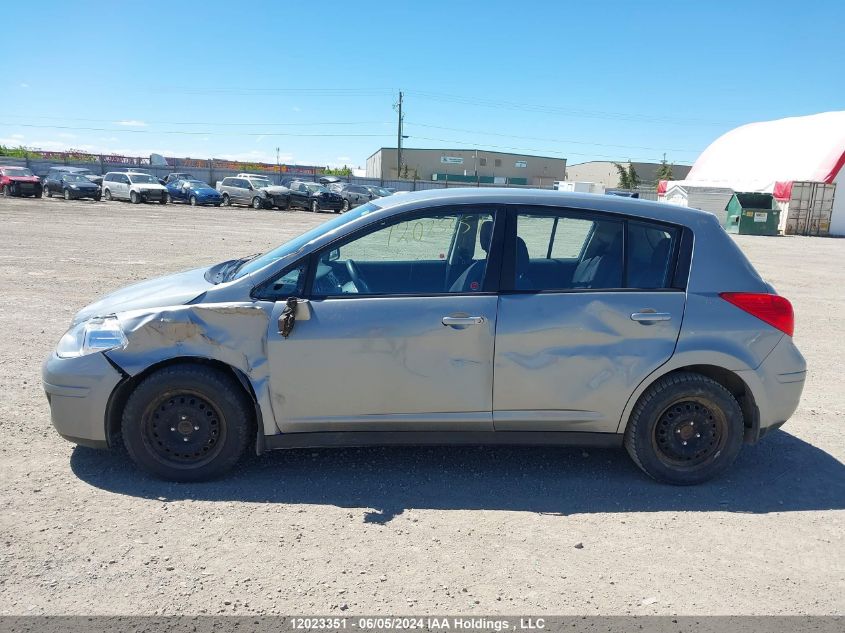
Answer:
[(461, 321), (649, 317)]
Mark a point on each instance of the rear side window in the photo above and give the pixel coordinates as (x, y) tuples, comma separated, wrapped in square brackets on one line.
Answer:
[(649, 254), (574, 251)]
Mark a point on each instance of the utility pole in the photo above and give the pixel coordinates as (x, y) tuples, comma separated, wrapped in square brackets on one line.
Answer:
[(278, 165), (399, 140)]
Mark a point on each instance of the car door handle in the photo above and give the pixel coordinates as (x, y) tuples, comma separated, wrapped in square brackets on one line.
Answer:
[(649, 317), (459, 321)]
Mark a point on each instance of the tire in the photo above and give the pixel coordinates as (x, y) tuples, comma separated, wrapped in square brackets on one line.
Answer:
[(256, 203), (67, 194), (345, 206), (46, 192), (193, 407), (169, 199), (226, 201), (685, 429), (164, 200), (193, 201), (107, 195), (7, 191), (315, 206), (134, 198)]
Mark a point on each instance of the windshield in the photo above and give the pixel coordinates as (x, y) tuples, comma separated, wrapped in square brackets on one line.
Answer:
[(75, 178), (17, 171), (316, 188), (196, 183), (259, 183), (142, 178), (298, 242)]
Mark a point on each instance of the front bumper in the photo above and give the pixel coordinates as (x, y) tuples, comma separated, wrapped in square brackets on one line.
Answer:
[(153, 196), (84, 193), (335, 204), (78, 390)]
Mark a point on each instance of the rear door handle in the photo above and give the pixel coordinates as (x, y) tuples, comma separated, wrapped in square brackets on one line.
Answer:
[(649, 317), (458, 321)]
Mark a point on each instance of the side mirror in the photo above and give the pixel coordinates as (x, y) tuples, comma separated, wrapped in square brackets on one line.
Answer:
[(334, 255)]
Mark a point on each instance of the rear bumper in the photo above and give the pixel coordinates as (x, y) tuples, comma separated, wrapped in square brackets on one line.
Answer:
[(777, 385), (78, 391)]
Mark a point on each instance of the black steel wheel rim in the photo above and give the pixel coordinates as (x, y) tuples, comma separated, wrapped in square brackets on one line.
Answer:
[(689, 433), (183, 429)]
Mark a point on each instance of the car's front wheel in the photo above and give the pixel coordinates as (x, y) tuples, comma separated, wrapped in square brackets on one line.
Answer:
[(685, 429), (46, 192), (187, 423), (67, 194), (345, 206), (107, 195), (314, 206), (193, 201), (134, 198), (257, 203), (226, 201), (7, 191)]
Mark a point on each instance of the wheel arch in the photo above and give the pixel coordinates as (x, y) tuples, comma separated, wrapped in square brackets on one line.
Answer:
[(119, 396), (727, 378)]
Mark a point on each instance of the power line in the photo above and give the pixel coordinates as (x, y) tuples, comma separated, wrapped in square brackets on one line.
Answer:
[(189, 133), (572, 112), (553, 140), (213, 124)]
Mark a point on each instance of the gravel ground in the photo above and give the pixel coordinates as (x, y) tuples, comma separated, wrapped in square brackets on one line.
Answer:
[(398, 530)]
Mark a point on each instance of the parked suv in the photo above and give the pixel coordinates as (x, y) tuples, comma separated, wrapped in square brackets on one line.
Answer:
[(353, 195), (254, 191), (70, 183), (133, 186), (454, 316), (314, 197), (19, 181)]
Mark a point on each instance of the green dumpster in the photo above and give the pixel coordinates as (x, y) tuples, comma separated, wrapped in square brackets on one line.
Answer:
[(752, 214)]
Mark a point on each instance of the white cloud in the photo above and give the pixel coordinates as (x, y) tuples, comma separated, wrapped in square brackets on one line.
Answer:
[(18, 136), (131, 123), (24, 85)]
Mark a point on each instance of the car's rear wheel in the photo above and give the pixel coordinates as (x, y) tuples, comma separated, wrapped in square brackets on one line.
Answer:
[(193, 201), (314, 206), (107, 195), (134, 198), (685, 429), (46, 192), (187, 423), (67, 194)]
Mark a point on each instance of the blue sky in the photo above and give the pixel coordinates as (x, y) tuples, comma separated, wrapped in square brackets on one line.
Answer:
[(584, 81)]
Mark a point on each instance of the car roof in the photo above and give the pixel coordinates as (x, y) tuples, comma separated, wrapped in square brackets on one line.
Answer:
[(545, 197)]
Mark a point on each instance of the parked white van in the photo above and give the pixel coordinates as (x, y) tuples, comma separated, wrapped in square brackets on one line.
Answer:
[(133, 186)]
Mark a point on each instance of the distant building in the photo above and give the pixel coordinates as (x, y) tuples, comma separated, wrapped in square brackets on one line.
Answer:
[(604, 172), (467, 165)]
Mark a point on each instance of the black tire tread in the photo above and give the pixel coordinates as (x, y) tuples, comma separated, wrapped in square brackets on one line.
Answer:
[(222, 388), (659, 387)]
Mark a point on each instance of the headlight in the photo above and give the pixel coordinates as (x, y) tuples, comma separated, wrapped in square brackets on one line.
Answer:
[(74, 187), (95, 335)]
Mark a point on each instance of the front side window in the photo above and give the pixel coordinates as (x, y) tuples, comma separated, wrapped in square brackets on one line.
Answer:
[(439, 252), (142, 179)]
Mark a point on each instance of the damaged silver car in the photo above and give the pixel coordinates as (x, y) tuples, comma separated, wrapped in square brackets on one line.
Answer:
[(459, 316)]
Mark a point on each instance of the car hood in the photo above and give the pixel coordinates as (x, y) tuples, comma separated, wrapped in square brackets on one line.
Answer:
[(207, 191), (275, 189), (24, 178), (171, 290), (149, 185)]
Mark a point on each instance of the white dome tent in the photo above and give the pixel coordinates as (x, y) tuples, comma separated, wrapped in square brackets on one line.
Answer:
[(768, 157)]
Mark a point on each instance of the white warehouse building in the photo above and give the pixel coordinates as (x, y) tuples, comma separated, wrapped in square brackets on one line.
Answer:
[(799, 160)]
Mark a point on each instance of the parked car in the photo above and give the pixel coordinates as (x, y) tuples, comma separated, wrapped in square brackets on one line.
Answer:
[(458, 316), (254, 191), (134, 186), (380, 192), (81, 171), (69, 184), (19, 181), (173, 177), (353, 195), (193, 192), (314, 197)]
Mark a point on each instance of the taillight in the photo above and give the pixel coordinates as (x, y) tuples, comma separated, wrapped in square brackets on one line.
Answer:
[(773, 309)]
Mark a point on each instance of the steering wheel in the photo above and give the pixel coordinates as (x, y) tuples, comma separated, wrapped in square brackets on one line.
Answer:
[(355, 276)]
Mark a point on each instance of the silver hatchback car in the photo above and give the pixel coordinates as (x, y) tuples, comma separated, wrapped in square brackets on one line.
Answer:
[(460, 316)]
